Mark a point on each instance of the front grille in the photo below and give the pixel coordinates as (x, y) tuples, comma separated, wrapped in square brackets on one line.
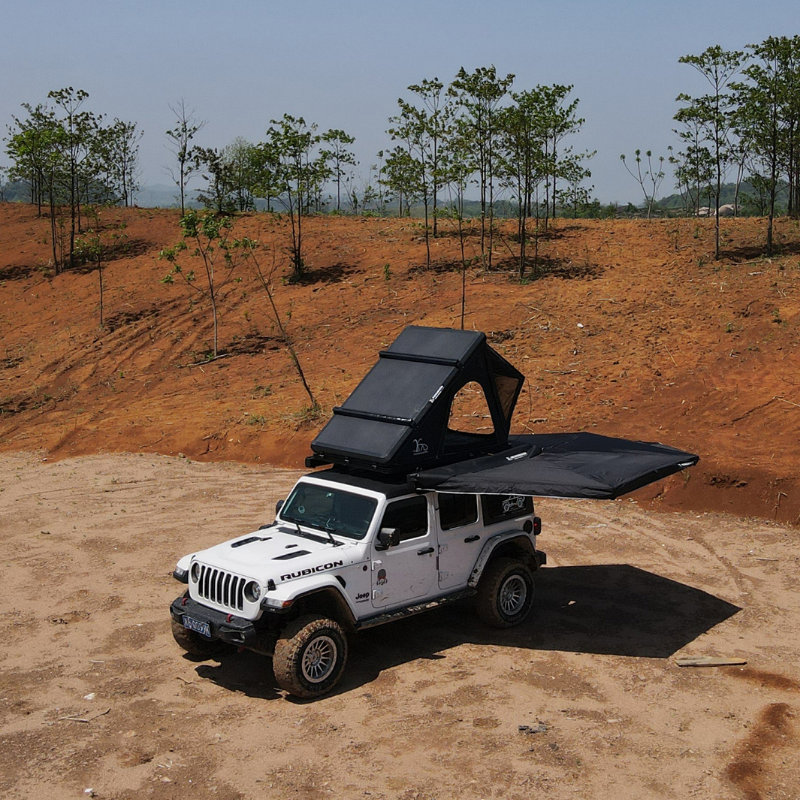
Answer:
[(221, 587)]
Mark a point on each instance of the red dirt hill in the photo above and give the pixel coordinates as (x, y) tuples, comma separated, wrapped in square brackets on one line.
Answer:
[(634, 331)]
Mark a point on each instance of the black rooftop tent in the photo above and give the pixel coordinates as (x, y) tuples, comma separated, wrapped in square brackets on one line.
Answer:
[(396, 423), (396, 419)]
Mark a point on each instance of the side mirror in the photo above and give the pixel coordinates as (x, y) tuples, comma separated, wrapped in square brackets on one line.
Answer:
[(387, 537), (279, 506)]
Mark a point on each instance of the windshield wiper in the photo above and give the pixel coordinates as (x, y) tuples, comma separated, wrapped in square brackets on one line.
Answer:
[(297, 526), (326, 529), (329, 529)]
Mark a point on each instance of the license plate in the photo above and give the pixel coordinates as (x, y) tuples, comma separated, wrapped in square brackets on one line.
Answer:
[(192, 624)]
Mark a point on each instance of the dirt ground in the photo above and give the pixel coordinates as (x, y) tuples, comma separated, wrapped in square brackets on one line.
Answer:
[(630, 329), (583, 701)]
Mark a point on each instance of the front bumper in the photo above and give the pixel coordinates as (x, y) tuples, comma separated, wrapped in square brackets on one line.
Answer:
[(226, 627)]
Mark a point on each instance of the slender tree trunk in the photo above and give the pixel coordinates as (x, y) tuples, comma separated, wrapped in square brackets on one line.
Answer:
[(490, 180), (182, 177), (54, 232), (100, 275), (482, 177), (739, 174), (463, 267), (214, 314), (286, 338), (427, 233)]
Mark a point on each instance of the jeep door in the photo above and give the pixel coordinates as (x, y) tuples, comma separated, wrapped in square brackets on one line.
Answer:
[(405, 571), (461, 536)]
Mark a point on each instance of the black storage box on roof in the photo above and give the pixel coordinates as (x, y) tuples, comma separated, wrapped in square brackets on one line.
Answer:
[(396, 419)]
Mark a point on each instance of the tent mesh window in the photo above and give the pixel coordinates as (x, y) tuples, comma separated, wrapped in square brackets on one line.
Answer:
[(469, 411)]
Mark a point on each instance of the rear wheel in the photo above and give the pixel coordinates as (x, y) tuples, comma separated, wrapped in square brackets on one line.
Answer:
[(310, 656), (505, 593), (194, 643)]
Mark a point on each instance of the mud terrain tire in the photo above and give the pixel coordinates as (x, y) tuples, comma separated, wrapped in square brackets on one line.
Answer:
[(310, 656), (505, 593)]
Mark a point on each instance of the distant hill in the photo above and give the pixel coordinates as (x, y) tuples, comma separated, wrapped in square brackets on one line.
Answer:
[(164, 195), (747, 198)]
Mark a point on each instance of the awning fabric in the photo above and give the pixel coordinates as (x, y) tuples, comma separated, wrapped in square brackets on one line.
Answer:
[(578, 465)]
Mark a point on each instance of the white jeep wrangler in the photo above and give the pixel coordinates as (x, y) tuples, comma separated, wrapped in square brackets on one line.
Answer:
[(414, 511), (346, 553)]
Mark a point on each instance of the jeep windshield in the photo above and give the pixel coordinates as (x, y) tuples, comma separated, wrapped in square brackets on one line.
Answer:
[(329, 509)]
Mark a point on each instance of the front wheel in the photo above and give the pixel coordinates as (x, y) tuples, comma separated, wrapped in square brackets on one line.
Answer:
[(310, 656), (505, 593)]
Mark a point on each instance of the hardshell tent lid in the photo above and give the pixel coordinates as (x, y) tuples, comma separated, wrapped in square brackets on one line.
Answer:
[(580, 465), (396, 419)]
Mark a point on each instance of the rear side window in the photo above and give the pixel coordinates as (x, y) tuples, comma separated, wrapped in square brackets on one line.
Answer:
[(409, 517), (456, 510), (499, 507)]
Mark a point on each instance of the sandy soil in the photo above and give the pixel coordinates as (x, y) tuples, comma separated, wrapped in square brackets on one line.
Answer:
[(96, 699)]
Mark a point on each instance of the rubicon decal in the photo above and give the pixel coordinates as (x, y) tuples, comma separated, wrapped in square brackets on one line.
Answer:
[(312, 570)]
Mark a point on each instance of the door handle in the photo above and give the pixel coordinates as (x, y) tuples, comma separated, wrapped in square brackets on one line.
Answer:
[(425, 552), (472, 538)]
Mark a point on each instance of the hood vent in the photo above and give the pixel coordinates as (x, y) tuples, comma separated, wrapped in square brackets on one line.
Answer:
[(250, 540), (287, 556)]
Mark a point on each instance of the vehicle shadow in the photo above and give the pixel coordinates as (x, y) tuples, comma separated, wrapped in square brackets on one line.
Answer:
[(607, 609), (246, 672)]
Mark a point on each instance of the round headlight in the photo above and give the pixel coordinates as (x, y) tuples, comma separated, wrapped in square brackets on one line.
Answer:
[(252, 592), (195, 572)]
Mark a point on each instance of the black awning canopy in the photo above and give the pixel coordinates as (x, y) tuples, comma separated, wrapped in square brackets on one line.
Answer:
[(577, 465)]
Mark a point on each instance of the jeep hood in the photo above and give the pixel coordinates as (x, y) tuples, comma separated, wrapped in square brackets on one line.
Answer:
[(277, 554)]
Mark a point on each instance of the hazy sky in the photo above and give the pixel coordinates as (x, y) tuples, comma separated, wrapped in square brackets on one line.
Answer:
[(344, 64)]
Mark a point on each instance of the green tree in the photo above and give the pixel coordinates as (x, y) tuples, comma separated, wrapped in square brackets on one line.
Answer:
[(456, 167), (218, 173), (411, 166), (649, 177), (78, 166), (205, 237), (557, 119), (436, 118), (478, 96), (187, 126), (242, 160), (119, 145), (694, 166), (523, 162), (335, 151), (97, 243), (299, 173), (713, 112), (766, 121), (31, 146), (401, 175)]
